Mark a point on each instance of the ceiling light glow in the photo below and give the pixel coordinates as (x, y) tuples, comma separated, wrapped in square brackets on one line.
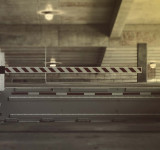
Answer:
[(49, 12), (49, 16), (53, 60), (153, 65), (52, 65)]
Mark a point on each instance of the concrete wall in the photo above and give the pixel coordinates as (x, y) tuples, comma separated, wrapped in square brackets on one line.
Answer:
[(154, 56), (149, 34), (120, 57), (122, 51), (53, 35)]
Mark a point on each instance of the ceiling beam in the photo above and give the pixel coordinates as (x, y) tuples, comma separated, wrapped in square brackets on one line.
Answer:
[(119, 16), (52, 36)]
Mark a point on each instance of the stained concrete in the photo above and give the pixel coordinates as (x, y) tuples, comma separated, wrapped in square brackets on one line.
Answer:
[(144, 12)]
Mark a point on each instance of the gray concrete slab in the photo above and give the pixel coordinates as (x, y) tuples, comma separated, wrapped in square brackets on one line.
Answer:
[(81, 84), (79, 141), (147, 125), (86, 136)]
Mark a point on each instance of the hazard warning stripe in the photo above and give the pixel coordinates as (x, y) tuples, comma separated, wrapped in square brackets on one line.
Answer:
[(72, 70), (88, 93)]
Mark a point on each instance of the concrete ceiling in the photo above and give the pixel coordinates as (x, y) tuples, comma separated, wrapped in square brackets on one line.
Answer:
[(74, 11), (144, 12)]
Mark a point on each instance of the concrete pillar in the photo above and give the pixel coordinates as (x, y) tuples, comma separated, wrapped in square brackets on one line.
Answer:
[(2, 75), (142, 61)]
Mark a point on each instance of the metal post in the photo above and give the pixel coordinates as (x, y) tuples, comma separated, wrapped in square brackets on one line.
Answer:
[(45, 63)]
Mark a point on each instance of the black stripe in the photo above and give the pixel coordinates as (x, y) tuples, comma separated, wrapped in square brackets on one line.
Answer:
[(2, 69)]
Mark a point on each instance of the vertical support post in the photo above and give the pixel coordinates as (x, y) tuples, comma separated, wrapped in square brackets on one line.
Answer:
[(2, 71), (142, 61), (45, 63)]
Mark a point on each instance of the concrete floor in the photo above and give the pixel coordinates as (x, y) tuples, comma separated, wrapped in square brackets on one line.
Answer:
[(80, 136), (80, 141), (137, 135)]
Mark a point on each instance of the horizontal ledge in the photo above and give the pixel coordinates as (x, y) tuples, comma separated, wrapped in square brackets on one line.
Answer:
[(84, 98), (121, 48), (12, 115)]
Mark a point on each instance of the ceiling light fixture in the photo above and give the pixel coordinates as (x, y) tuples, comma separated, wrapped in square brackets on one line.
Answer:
[(153, 65), (52, 65), (49, 16), (53, 62), (49, 12)]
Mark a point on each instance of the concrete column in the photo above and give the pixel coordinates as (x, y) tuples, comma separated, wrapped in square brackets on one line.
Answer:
[(142, 61), (2, 75)]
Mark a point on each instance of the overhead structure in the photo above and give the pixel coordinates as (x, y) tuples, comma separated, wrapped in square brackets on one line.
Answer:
[(119, 17)]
